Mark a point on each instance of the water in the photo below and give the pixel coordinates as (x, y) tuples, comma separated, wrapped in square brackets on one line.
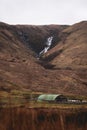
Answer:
[(47, 47)]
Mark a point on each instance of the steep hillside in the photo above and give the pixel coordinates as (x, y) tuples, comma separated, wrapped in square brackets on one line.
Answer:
[(35, 36), (73, 51), (14, 57), (63, 69), (18, 52), (70, 56)]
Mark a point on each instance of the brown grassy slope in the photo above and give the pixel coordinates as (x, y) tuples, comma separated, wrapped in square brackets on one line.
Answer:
[(15, 59), (20, 69), (72, 52), (70, 57)]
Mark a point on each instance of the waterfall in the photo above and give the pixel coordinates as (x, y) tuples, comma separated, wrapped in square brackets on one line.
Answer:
[(48, 45)]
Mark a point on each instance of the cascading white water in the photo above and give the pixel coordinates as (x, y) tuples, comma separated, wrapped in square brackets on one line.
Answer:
[(48, 44)]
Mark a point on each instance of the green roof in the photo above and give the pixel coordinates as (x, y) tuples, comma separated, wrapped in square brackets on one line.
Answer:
[(48, 97)]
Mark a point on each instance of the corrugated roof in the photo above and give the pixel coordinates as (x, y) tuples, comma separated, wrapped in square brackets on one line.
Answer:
[(48, 97)]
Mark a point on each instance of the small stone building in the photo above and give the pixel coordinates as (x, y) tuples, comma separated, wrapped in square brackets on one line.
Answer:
[(52, 98)]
